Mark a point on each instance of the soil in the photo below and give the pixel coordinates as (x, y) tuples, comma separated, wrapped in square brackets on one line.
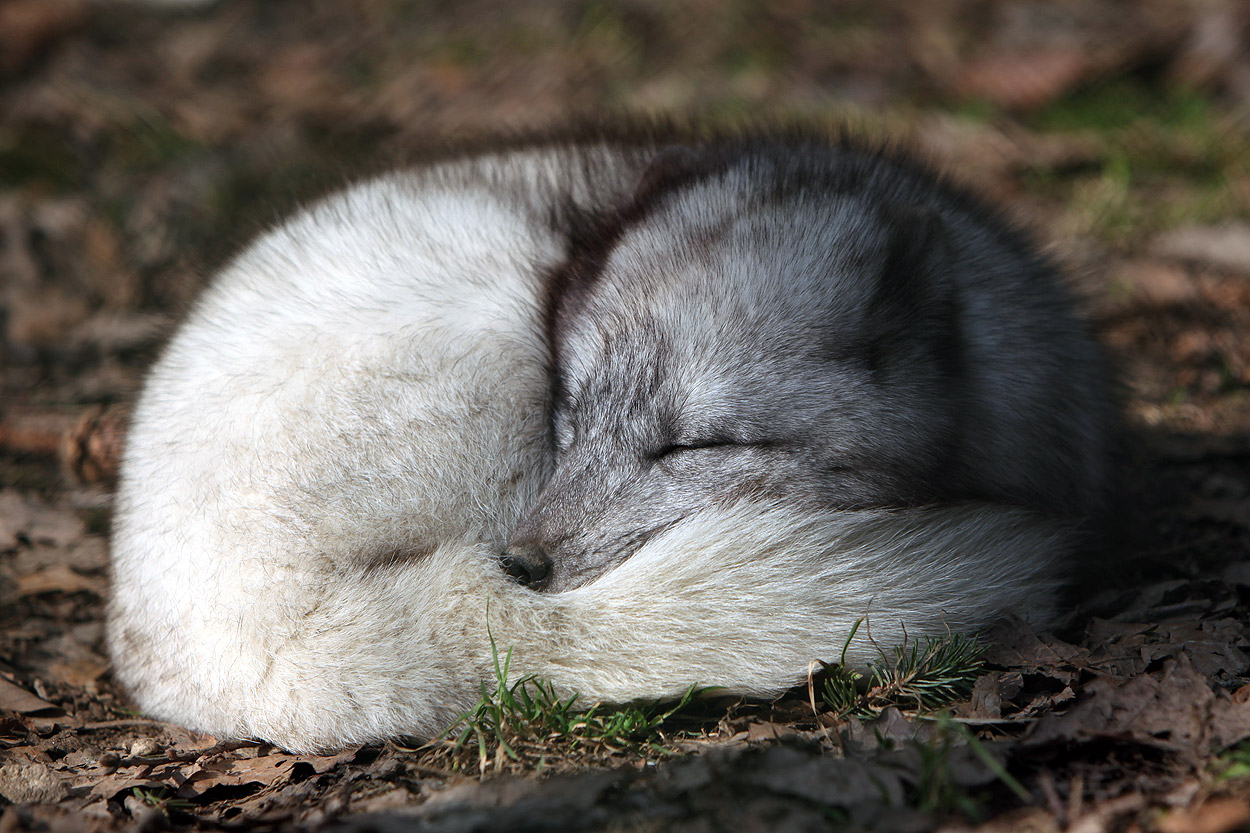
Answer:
[(141, 144)]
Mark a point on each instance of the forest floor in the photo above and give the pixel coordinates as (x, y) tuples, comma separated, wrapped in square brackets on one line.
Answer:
[(140, 147)]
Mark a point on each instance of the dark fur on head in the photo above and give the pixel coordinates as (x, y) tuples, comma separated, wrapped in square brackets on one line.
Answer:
[(899, 288)]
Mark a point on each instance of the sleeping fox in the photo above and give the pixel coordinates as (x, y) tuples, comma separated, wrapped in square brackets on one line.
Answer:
[(655, 409)]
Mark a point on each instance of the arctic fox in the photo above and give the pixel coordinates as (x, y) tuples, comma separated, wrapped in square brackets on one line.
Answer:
[(729, 397)]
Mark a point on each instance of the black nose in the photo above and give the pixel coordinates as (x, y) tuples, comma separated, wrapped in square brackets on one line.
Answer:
[(528, 564)]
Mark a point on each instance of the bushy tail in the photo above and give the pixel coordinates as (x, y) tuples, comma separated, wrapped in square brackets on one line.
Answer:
[(742, 599)]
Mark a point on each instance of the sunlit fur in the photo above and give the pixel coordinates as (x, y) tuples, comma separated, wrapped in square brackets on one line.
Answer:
[(335, 447)]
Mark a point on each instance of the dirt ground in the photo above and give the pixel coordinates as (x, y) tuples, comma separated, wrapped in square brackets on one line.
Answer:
[(140, 146)]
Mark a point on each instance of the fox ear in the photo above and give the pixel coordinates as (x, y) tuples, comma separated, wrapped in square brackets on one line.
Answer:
[(669, 166), (915, 300), (918, 257)]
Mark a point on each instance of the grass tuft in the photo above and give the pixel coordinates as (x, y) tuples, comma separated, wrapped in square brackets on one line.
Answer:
[(527, 725), (1232, 763), (162, 799)]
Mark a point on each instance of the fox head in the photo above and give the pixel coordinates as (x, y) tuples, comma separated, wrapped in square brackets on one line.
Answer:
[(770, 325)]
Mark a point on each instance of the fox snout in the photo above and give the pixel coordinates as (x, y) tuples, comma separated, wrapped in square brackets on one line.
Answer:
[(528, 564)]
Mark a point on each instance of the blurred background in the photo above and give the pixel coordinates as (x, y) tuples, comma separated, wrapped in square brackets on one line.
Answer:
[(142, 143)]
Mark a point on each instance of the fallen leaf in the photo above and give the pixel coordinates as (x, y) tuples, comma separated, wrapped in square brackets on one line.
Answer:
[(1014, 645), (1216, 815), (1225, 246), (274, 768), (30, 782), (59, 578), (92, 450), (80, 673), (1170, 710), (15, 698), (1126, 648), (1213, 649), (23, 517), (1023, 81), (1044, 702), (986, 700), (27, 27), (766, 731), (115, 784), (1230, 721), (325, 763)]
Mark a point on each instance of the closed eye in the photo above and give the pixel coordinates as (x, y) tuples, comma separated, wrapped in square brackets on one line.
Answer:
[(704, 445), (679, 448)]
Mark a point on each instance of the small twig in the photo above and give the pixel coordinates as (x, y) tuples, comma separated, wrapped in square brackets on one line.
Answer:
[(1046, 782), (1098, 817), (971, 721), (28, 441), (89, 448), (433, 772), (180, 757), (1076, 797)]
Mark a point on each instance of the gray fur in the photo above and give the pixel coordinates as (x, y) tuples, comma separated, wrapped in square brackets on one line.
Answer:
[(815, 325)]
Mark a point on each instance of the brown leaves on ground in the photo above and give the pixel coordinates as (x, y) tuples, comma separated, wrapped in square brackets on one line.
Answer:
[(163, 766)]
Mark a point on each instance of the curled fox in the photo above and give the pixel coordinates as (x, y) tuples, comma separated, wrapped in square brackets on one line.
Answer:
[(713, 400)]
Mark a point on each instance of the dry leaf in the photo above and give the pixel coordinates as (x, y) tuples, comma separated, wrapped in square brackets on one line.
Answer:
[(15, 698), (1216, 815), (80, 673), (1160, 283), (274, 768), (760, 730), (111, 786), (1023, 82), (56, 579), (92, 450), (1013, 644), (986, 700), (24, 517), (1230, 721), (1224, 246), (27, 27), (1170, 710), (29, 782)]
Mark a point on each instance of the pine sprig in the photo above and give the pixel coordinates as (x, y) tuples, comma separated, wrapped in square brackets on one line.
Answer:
[(922, 676)]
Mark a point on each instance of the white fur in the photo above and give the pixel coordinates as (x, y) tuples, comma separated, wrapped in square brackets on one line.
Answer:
[(335, 446)]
